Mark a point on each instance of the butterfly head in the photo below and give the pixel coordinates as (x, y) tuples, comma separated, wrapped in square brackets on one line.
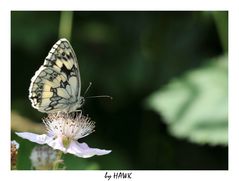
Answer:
[(81, 101), (76, 106)]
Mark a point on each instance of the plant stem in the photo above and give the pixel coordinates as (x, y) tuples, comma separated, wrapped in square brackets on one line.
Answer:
[(65, 26), (57, 161)]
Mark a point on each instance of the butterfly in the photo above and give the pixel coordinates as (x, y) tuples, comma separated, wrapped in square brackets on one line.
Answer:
[(56, 86)]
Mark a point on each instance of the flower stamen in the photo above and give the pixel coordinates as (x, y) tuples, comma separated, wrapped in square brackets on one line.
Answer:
[(71, 126)]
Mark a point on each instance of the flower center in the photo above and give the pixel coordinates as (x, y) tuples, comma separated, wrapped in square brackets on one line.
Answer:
[(66, 141), (68, 127)]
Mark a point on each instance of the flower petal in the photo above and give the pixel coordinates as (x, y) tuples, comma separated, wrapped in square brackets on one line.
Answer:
[(78, 149), (84, 151), (40, 139)]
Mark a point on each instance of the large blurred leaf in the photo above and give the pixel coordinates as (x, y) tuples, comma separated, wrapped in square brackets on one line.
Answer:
[(195, 105)]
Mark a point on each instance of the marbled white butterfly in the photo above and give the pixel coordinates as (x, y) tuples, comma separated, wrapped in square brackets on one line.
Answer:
[(56, 86)]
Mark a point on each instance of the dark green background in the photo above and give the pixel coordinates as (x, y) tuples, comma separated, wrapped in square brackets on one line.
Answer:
[(127, 55)]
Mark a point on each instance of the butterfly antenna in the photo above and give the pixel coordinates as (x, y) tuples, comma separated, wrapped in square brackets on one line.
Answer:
[(104, 96), (101, 96), (87, 88)]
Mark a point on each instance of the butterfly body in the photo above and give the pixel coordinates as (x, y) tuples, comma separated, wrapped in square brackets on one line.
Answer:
[(56, 86)]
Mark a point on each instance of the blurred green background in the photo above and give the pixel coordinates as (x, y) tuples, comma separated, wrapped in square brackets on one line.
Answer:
[(167, 74)]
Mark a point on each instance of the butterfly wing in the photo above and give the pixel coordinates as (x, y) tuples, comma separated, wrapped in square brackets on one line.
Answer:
[(56, 85)]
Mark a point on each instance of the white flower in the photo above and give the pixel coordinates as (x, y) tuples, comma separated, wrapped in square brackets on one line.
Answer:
[(63, 132), (43, 157)]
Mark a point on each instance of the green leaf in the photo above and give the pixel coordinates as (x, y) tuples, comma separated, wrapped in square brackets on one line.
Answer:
[(195, 106)]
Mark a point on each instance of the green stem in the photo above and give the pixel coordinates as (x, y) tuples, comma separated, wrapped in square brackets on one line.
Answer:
[(58, 160), (65, 26)]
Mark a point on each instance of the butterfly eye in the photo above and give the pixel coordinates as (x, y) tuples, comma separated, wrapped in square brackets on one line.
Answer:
[(82, 101)]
